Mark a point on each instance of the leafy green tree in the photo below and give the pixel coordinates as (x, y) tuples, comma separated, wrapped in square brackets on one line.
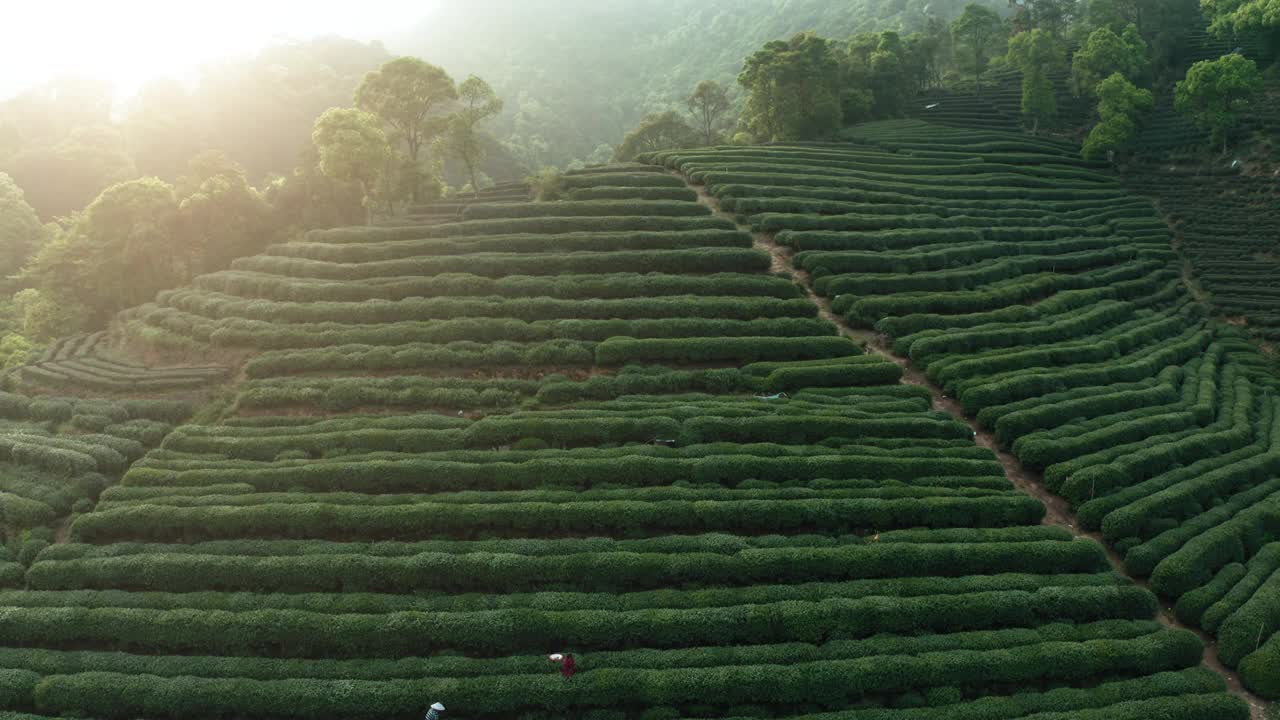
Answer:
[(46, 317), (15, 350), (307, 199), (977, 32), (708, 103), (353, 148), (793, 89), (890, 75), (21, 232), (479, 103), (1121, 106), (1106, 53), (657, 131), (62, 178), (410, 95), (1241, 15), (1035, 54), (1216, 93), (116, 254), (220, 215)]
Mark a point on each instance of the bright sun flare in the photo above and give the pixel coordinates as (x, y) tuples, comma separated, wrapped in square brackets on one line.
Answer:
[(129, 42)]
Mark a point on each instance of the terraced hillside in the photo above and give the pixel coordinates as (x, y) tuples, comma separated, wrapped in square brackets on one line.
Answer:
[(1048, 302), (602, 426), (57, 454), (998, 106), (1228, 228), (85, 363)]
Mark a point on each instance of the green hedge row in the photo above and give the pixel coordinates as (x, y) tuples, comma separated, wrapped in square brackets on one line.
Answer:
[(1247, 628), (1256, 573), (596, 242), (1173, 495), (1058, 328), (980, 273), (667, 598), (1129, 280), (235, 332), (559, 225), (584, 208), (457, 572), (831, 683), (497, 265), (464, 354), (215, 306), (564, 287), (1131, 368), (1232, 530), (620, 350), (423, 475), (291, 633), (828, 263), (1260, 669), (52, 662), (608, 192), (609, 518)]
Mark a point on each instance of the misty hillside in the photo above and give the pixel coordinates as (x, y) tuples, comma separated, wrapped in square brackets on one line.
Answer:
[(570, 86)]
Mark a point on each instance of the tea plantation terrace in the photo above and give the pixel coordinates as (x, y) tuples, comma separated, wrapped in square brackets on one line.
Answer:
[(606, 426)]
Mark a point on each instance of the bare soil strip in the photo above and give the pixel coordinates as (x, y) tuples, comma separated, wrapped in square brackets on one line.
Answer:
[(1057, 510)]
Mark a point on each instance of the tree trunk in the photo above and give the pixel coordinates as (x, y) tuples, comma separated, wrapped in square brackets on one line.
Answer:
[(475, 186), (365, 203), (1035, 125), (414, 146)]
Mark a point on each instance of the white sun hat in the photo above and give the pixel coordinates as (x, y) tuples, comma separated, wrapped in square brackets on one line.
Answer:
[(437, 707)]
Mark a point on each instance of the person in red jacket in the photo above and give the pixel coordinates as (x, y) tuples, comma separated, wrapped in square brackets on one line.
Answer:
[(568, 666)]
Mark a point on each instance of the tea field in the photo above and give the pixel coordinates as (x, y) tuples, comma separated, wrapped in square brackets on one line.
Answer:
[(619, 425)]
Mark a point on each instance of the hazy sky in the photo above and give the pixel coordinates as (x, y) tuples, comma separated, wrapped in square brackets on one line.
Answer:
[(129, 41)]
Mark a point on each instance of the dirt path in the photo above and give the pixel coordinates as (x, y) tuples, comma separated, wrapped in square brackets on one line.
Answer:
[(1057, 510)]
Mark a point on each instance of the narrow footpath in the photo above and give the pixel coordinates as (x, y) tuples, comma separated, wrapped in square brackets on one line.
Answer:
[(1057, 510)]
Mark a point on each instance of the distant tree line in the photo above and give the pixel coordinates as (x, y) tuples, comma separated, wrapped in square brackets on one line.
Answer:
[(98, 213), (1116, 52)]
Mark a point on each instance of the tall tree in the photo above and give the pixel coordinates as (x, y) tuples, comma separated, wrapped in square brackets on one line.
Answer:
[(1035, 53), (21, 232), (116, 254), (1216, 93), (353, 148), (479, 103), (793, 89), (1121, 106), (708, 103), (220, 215), (890, 75), (977, 31), (410, 95), (1106, 53)]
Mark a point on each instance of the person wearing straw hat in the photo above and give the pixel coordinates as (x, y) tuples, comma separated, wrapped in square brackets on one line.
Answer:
[(434, 712)]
